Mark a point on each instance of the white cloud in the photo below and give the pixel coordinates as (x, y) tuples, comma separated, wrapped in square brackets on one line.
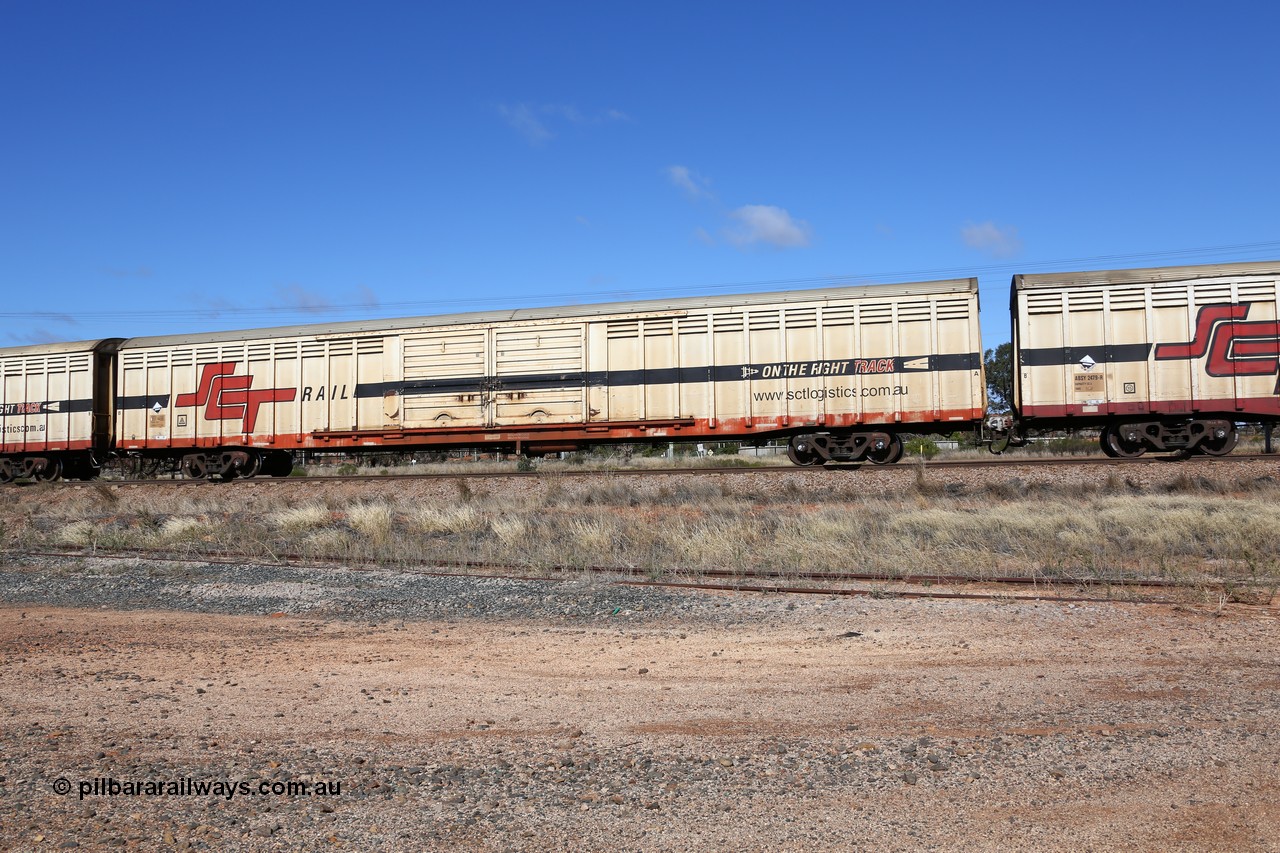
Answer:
[(988, 237), (764, 223), (523, 119), (694, 185), (534, 121)]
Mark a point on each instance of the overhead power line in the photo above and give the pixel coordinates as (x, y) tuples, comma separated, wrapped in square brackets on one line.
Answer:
[(1236, 251)]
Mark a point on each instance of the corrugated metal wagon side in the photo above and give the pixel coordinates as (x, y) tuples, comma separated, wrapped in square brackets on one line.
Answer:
[(1163, 359), (55, 409), (842, 370)]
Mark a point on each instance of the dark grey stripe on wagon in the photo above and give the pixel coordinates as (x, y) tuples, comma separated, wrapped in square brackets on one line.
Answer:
[(1050, 356), (141, 402), (766, 372), (50, 407)]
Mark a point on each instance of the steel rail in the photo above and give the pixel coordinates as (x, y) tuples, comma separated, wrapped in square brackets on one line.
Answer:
[(730, 580), (735, 587)]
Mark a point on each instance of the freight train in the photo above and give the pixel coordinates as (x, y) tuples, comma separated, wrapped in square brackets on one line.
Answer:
[(1165, 359)]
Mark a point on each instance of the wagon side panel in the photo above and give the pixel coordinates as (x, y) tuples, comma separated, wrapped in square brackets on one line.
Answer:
[(697, 379), (624, 370), (958, 373), (730, 347), (1255, 345), (1041, 353), (803, 343)]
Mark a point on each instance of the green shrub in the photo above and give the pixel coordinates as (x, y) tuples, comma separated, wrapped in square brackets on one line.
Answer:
[(920, 446)]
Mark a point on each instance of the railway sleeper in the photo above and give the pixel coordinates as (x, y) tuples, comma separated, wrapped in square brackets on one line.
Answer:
[(822, 447), (1213, 437)]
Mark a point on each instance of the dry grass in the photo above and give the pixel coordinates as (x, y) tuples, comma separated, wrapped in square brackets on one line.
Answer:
[(300, 519), (1191, 529), (454, 520), (372, 521)]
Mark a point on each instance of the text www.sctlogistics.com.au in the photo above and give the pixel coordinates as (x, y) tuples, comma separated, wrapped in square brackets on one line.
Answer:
[(830, 393), (187, 787)]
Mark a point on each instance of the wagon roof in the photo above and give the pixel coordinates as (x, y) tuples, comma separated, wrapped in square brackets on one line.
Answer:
[(104, 345), (1140, 276), (641, 307)]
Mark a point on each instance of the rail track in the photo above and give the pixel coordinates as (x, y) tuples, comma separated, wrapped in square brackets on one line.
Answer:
[(1195, 462), (1129, 590)]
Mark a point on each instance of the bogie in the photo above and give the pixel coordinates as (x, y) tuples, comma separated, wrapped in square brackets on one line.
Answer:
[(1212, 437), (820, 448)]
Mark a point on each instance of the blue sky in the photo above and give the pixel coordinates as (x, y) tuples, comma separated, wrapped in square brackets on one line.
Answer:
[(173, 167)]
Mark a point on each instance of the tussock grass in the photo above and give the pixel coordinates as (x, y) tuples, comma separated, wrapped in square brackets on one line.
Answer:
[(510, 531), (328, 544), (455, 520), (79, 533), (373, 521), (594, 536), (182, 528), (300, 519)]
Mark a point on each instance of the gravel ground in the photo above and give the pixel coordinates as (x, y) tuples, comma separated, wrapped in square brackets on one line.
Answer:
[(508, 715)]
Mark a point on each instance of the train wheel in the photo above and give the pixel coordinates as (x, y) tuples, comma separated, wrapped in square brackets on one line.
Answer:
[(6, 471), (252, 467), (1116, 447), (889, 454), (1106, 444), (194, 467), (1220, 446), (51, 471), (800, 451)]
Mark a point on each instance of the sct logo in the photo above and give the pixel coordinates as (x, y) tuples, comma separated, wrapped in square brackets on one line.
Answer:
[(227, 397), (1235, 348)]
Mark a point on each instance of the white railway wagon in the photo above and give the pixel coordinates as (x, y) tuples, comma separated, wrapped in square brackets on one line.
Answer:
[(841, 370), (55, 409), (1164, 359)]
